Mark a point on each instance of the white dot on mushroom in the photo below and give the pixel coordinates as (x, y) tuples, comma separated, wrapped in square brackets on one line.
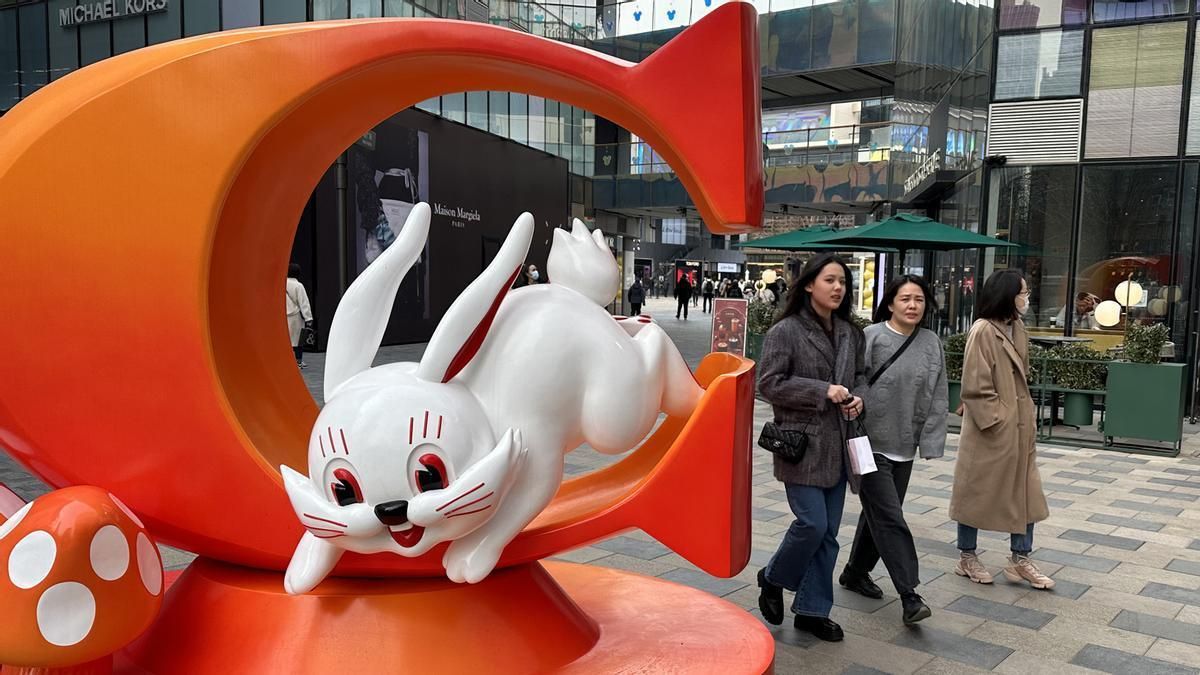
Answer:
[(11, 524), (149, 564), (65, 613), (32, 559), (109, 553)]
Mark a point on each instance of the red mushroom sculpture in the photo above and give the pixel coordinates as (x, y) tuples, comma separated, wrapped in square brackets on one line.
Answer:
[(79, 579)]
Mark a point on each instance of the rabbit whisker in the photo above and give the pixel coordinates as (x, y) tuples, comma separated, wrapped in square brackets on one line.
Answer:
[(459, 497), (460, 508), (467, 513)]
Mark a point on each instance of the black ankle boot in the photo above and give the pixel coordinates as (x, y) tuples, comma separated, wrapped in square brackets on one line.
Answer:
[(860, 583), (770, 599), (915, 608), (823, 628)]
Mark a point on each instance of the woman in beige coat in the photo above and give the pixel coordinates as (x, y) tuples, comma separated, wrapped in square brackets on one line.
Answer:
[(996, 481)]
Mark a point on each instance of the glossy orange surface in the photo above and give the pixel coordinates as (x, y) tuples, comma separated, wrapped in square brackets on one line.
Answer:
[(573, 619)]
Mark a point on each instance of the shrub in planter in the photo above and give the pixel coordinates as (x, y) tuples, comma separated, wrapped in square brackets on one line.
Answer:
[(953, 346), (1078, 367), (759, 317), (860, 321), (1145, 397)]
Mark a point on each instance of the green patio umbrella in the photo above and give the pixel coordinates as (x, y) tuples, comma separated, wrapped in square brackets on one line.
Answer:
[(906, 232), (809, 239)]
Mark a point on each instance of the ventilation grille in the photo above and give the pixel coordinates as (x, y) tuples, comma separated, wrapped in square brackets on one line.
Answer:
[(1036, 132)]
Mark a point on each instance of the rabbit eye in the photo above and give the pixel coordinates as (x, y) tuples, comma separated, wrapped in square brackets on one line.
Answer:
[(345, 488), (432, 474)]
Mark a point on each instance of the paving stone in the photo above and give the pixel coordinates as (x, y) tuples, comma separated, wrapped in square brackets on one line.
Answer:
[(1163, 494), (1059, 503), (1171, 593), (954, 647), (1024, 663), (759, 513), (852, 600), (1195, 545), (917, 509), (1179, 653), (863, 670), (1176, 483), (1102, 466), (1118, 662), (1102, 539), (1127, 459), (1086, 562), (1182, 472), (874, 656), (1132, 523), (1069, 589), (646, 550), (1047, 454), (1071, 489), (1184, 566), (583, 555), (1071, 475), (1157, 626), (936, 547), (702, 581), (928, 491), (1135, 602), (995, 611), (944, 478), (1146, 508)]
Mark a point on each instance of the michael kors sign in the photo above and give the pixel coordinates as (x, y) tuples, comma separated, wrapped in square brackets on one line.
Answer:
[(107, 10)]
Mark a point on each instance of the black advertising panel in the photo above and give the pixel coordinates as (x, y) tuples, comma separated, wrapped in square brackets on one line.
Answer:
[(476, 185)]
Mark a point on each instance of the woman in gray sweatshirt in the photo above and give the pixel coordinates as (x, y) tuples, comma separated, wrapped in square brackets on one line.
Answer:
[(906, 404)]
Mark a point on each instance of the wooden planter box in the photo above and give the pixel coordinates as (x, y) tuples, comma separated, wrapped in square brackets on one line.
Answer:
[(1145, 401)]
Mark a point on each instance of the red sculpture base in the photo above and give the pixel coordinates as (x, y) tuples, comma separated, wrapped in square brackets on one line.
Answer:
[(556, 617)]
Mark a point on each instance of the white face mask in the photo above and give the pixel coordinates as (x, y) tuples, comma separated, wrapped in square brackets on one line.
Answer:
[(534, 275), (1022, 306)]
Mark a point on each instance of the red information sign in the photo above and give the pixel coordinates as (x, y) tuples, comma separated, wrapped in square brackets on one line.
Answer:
[(729, 326)]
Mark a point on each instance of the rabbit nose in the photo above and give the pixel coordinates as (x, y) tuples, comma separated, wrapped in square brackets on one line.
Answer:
[(392, 513)]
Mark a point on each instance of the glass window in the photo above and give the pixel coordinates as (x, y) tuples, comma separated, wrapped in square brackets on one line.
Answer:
[(498, 113), (284, 11), (1126, 227), (365, 9), (128, 34), (454, 107), (1042, 13), (877, 31), (1039, 65), (397, 8), (64, 43), (95, 43), (553, 124), (1034, 206), (537, 122), (518, 125), (239, 14), (1177, 297), (477, 102), (35, 55), (787, 43), (432, 105), (1193, 130), (1135, 90), (330, 9), (166, 26), (834, 34), (200, 16), (10, 90), (1130, 10)]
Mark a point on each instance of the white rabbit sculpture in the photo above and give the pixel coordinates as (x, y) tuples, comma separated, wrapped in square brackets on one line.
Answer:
[(467, 446)]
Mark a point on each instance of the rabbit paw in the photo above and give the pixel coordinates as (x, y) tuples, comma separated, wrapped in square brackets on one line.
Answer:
[(470, 562)]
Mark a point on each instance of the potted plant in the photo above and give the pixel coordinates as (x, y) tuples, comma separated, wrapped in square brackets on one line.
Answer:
[(954, 346), (1144, 397), (759, 317), (1080, 371)]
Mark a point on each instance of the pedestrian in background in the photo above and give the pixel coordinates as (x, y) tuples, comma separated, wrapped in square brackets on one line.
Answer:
[(637, 296), (683, 294), (996, 482), (812, 373), (708, 289), (908, 400), (299, 314)]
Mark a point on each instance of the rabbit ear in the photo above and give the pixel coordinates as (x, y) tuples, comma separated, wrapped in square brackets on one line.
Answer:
[(598, 237), (363, 313), (461, 332)]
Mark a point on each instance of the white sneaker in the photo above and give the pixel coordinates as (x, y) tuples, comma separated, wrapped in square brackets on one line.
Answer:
[(969, 566)]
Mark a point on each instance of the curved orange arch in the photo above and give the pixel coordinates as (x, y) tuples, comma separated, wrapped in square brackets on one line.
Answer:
[(143, 347)]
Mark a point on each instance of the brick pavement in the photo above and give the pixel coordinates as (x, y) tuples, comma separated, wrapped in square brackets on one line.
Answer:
[(1123, 543)]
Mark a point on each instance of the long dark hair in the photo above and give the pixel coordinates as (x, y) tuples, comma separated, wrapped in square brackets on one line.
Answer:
[(884, 311), (998, 298), (800, 300)]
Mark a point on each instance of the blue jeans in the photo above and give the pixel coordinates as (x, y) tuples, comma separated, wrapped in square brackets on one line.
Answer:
[(1019, 543), (808, 553)]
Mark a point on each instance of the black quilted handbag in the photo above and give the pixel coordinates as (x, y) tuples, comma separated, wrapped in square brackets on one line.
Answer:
[(789, 445)]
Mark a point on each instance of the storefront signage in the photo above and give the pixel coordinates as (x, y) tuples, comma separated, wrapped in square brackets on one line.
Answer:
[(456, 212), (927, 168), (727, 267), (729, 326), (107, 10)]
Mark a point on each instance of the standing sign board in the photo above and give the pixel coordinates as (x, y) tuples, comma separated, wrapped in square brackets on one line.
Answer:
[(729, 326)]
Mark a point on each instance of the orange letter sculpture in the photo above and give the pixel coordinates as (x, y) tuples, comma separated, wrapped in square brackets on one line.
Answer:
[(147, 201)]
